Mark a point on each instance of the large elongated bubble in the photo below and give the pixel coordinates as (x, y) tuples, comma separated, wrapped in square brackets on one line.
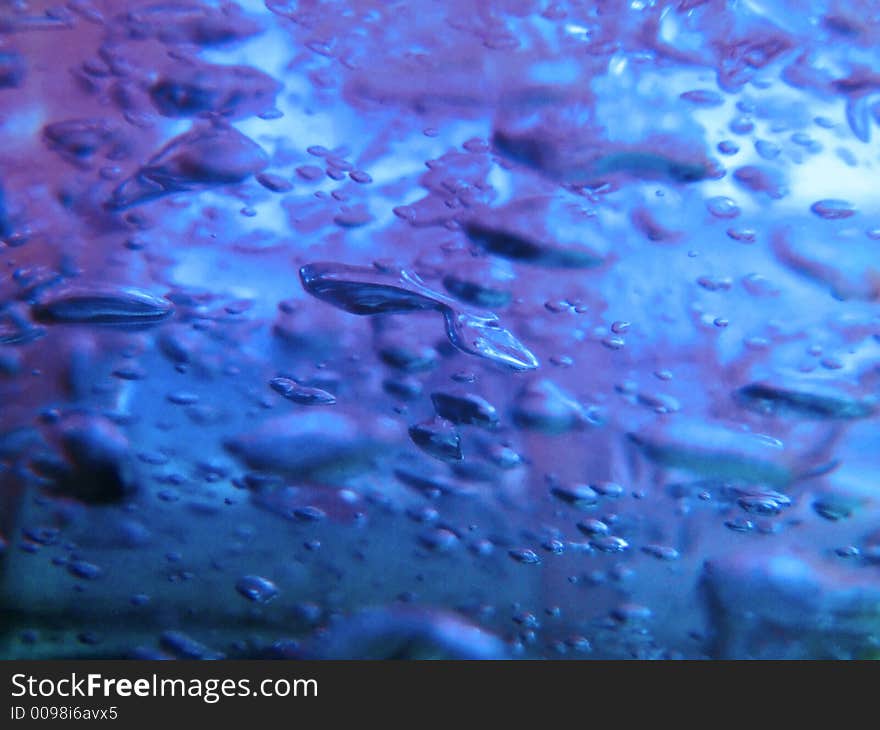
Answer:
[(202, 158), (367, 291), (103, 306)]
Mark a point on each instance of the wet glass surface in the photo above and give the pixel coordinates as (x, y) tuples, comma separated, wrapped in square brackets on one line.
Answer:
[(505, 329)]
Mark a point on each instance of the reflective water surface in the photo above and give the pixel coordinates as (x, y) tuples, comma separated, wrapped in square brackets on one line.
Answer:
[(503, 329)]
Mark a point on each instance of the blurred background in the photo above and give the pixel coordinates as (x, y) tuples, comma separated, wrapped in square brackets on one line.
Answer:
[(508, 329)]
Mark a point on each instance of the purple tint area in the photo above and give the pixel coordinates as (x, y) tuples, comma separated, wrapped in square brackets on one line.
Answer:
[(506, 329)]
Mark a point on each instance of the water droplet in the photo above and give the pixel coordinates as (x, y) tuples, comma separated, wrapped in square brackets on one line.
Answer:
[(525, 556), (84, 569), (722, 207), (593, 527), (740, 524), (466, 409), (275, 183), (834, 507), (802, 399), (703, 97), (831, 209), (256, 588), (661, 552), (438, 438), (516, 247), (607, 489), (203, 158), (577, 495), (473, 293), (543, 406), (309, 514), (609, 543), (439, 540), (124, 306), (301, 394)]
